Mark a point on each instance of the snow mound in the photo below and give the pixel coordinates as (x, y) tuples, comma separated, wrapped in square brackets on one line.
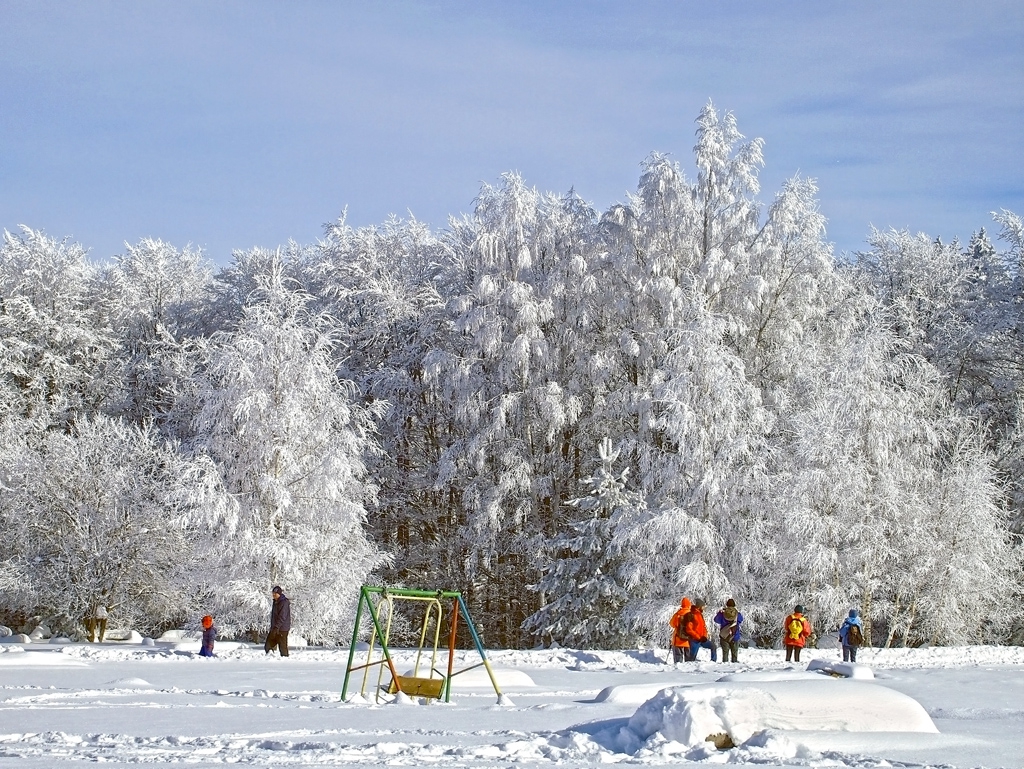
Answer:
[(5, 632), (173, 636), (841, 669), (631, 694), (130, 682), (16, 638), (477, 678), (771, 675), (48, 658), (741, 710)]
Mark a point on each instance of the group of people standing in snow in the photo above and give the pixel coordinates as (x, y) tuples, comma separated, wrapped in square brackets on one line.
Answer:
[(690, 632)]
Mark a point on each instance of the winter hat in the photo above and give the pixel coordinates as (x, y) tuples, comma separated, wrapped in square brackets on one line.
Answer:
[(854, 614), (207, 621), (699, 603), (799, 609), (730, 603), (277, 589)]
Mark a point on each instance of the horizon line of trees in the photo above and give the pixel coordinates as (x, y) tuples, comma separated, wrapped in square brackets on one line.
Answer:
[(574, 417)]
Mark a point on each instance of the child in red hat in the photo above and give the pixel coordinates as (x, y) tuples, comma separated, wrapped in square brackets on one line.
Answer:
[(209, 636)]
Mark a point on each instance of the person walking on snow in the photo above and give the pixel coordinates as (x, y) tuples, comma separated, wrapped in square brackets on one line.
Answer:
[(851, 634), (729, 620), (209, 636), (680, 646), (697, 632), (280, 623), (98, 623), (795, 631)]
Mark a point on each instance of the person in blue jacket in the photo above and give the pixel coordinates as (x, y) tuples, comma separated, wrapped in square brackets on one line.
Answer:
[(729, 620), (851, 635), (209, 636)]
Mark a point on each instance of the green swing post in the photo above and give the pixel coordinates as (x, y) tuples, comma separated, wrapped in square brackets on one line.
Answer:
[(355, 640), (364, 595), (458, 606)]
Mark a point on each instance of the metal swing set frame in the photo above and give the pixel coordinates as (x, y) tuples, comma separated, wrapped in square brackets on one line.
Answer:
[(435, 683)]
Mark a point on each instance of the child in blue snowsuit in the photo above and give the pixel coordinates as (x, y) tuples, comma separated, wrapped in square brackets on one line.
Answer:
[(209, 636), (849, 644)]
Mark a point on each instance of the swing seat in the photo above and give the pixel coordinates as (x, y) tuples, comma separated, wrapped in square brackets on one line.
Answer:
[(418, 687)]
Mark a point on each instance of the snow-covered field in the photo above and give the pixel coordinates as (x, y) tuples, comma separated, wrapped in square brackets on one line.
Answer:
[(121, 704)]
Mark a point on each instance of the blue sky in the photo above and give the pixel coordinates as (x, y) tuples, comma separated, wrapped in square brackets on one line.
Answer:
[(235, 124)]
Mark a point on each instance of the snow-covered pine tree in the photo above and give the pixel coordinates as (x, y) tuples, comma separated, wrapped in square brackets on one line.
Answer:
[(289, 443), (581, 587)]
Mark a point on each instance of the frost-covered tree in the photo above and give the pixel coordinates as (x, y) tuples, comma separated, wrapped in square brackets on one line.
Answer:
[(515, 380), (108, 513), (386, 287), (54, 338), (680, 401), (157, 297), (289, 444), (961, 310), (699, 458)]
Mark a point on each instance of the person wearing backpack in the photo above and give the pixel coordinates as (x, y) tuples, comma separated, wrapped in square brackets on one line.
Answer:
[(680, 644), (796, 629), (851, 634), (697, 632), (729, 620)]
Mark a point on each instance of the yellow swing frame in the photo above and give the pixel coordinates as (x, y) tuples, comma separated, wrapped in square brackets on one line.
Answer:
[(435, 684)]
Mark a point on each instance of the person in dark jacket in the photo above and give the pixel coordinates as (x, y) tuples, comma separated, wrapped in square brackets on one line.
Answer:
[(209, 636), (280, 623)]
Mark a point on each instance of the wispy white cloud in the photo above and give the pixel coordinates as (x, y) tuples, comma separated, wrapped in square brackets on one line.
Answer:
[(232, 124)]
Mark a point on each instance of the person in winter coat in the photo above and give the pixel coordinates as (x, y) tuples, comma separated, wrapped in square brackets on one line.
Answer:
[(680, 645), (98, 623), (697, 632), (209, 636), (850, 638), (796, 629), (729, 621), (280, 623)]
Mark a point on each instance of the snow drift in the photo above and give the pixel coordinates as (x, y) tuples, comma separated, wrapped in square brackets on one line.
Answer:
[(742, 709)]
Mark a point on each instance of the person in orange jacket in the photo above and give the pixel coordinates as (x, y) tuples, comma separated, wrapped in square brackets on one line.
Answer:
[(796, 629), (680, 644), (697, 632)]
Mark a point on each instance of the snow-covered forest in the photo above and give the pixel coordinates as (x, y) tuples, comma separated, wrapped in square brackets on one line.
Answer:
[(574, 417)]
